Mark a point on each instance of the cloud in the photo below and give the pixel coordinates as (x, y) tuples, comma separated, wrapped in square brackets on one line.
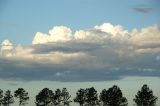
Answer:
[(6, 45), (143, 9), (58, 74), (158, 58), (105, 52), (112, 29), (6, 48), (81, 35), (147, 36), (58, 33)]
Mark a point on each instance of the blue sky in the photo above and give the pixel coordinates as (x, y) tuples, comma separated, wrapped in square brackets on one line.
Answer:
[(21, 19)]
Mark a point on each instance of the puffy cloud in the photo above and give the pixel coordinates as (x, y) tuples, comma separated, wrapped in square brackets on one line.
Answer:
[(23, 52), (6, 49), (112, 29), (41, 38), (80, 35), (6, 45), (147, 36), (63, 34), (58, 33), (105, 52)]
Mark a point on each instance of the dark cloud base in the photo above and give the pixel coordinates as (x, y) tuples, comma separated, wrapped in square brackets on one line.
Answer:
[(72, 75)]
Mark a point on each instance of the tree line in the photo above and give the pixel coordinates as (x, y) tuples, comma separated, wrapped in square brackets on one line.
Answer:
[(84, 97)]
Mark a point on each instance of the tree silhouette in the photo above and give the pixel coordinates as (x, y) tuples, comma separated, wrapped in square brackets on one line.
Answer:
[(103, 97), (80, 97), (44, 98), (84, 97), (91, 97), (65, 97), (57, 97), (1, 96), (8, 98), (22, 95), (145, 97), (113, 97)]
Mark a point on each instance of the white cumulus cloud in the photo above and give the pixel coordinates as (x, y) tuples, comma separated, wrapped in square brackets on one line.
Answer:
[(80, 35), (6, 45), (41, 38), (58, 33), (6, 48), (112, 29), (147, 36)]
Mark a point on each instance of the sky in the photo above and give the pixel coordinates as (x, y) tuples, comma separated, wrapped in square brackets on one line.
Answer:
[(21, 19), (80, 43)]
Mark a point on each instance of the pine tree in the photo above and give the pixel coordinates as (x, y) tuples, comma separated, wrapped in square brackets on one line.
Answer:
[(1, 96), (113, 97), (91, 97), (8, 98), (80, 97), (65, 97), (22, 95), (57, 97), (145, 97), (44, 98)]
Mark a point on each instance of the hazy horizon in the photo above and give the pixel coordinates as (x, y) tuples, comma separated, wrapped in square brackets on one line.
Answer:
[(129, 87)]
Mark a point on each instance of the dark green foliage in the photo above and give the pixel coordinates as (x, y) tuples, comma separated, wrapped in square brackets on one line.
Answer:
[(87, 97), (1, 97), (65, 97), (8, 98), (91, 97), (80, 97), (44, 98), (22, 95), (61, 98), (57, 97), (145, 97), (113, 97)]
